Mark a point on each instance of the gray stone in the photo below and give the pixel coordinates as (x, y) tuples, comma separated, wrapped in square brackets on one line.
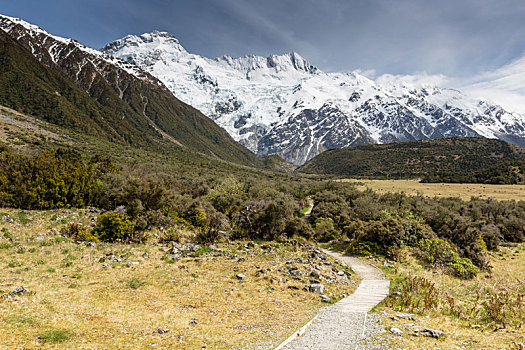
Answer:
[(240, 276), (19, 290), (396, 331), (324, 298), (316, 288), (427, 332)]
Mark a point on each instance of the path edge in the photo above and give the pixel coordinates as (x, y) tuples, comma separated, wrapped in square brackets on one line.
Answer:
[(296, 334)]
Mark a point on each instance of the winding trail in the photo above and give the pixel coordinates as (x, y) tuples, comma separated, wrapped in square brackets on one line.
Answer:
[(342, 325)]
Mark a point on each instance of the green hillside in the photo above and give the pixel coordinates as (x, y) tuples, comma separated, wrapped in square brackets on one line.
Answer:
[(146, 115), (478, 160)]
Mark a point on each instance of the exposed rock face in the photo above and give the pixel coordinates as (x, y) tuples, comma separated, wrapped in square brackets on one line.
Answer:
[(283, 105), (134, 105)]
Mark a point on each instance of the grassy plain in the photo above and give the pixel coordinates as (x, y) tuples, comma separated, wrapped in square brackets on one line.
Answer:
[(463, 307), (78, 297), (463, 191)]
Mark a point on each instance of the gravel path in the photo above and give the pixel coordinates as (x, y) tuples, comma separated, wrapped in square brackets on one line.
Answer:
[(342, 325)]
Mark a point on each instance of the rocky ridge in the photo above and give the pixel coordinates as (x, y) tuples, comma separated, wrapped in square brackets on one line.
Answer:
[(284, 105)]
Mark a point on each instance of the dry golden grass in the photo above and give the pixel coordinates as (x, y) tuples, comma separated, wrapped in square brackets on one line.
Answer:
[(74, 302), (463, 191), (508, 274)]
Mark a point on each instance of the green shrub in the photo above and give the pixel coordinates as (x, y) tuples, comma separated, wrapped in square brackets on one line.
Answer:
[(463, 268), (135, 283), (113, 227), (55, 336), (439, 253), (361, 248), (325, 230), (436, 252)]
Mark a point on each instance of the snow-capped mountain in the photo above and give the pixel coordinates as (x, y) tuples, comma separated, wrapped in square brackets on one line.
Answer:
[(125, 103), (284, 105)]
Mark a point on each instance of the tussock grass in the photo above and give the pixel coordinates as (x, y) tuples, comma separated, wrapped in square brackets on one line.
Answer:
[(487, 312), (75, 301), (463, 191)]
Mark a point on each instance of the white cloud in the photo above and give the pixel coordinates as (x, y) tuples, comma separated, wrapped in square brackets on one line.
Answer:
[(504, 86)]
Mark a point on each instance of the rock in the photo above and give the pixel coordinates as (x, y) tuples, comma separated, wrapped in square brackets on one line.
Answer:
[(19, 290), (106, 266), (296, 273), (91, 244), (396, 331), (324, 298), (427, 332), (407, 316), (394, 318), (131, 263), (314, 274), (193, 321), (240, 276), (316, 288), (160, 331)]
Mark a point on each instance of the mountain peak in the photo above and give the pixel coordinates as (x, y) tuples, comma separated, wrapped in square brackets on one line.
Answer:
[(132, 45)]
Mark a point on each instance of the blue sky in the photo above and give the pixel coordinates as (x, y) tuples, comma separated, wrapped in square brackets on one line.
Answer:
[(459, 38)]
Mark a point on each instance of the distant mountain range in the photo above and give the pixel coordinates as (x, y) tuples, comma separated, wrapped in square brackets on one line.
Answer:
[(148, 90), (66, 83), (284, 105)]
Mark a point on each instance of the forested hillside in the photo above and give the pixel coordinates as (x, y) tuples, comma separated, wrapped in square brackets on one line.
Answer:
[(477, 160)]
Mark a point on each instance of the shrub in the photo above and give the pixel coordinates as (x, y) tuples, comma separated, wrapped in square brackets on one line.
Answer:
[(325, 230), (55, 336), (78, 232), (439, 253), (114, 227), (135, 283), (463, 267), (361, 248)]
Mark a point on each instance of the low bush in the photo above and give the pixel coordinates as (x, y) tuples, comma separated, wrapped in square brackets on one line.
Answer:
[(113, 227), (439, 253)]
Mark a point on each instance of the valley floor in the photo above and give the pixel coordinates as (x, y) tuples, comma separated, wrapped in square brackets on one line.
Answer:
[(59, 293), (463, 191)]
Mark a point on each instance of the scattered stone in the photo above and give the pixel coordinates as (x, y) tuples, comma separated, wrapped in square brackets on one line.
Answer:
[(107, 266), (396, 331), (296, 273), (240, 277), (407, 317), (19, 290), (160, 331), (394, 318), (131, 263), (91, 244), (324, 298), (193, 321), (316, 288), (427, 332)]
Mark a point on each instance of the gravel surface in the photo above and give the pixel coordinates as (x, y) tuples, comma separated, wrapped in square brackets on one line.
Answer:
[(342, 325)]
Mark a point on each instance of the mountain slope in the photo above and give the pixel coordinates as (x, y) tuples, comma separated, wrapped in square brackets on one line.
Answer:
[(126, 104), (445, 159), (283, 105)]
